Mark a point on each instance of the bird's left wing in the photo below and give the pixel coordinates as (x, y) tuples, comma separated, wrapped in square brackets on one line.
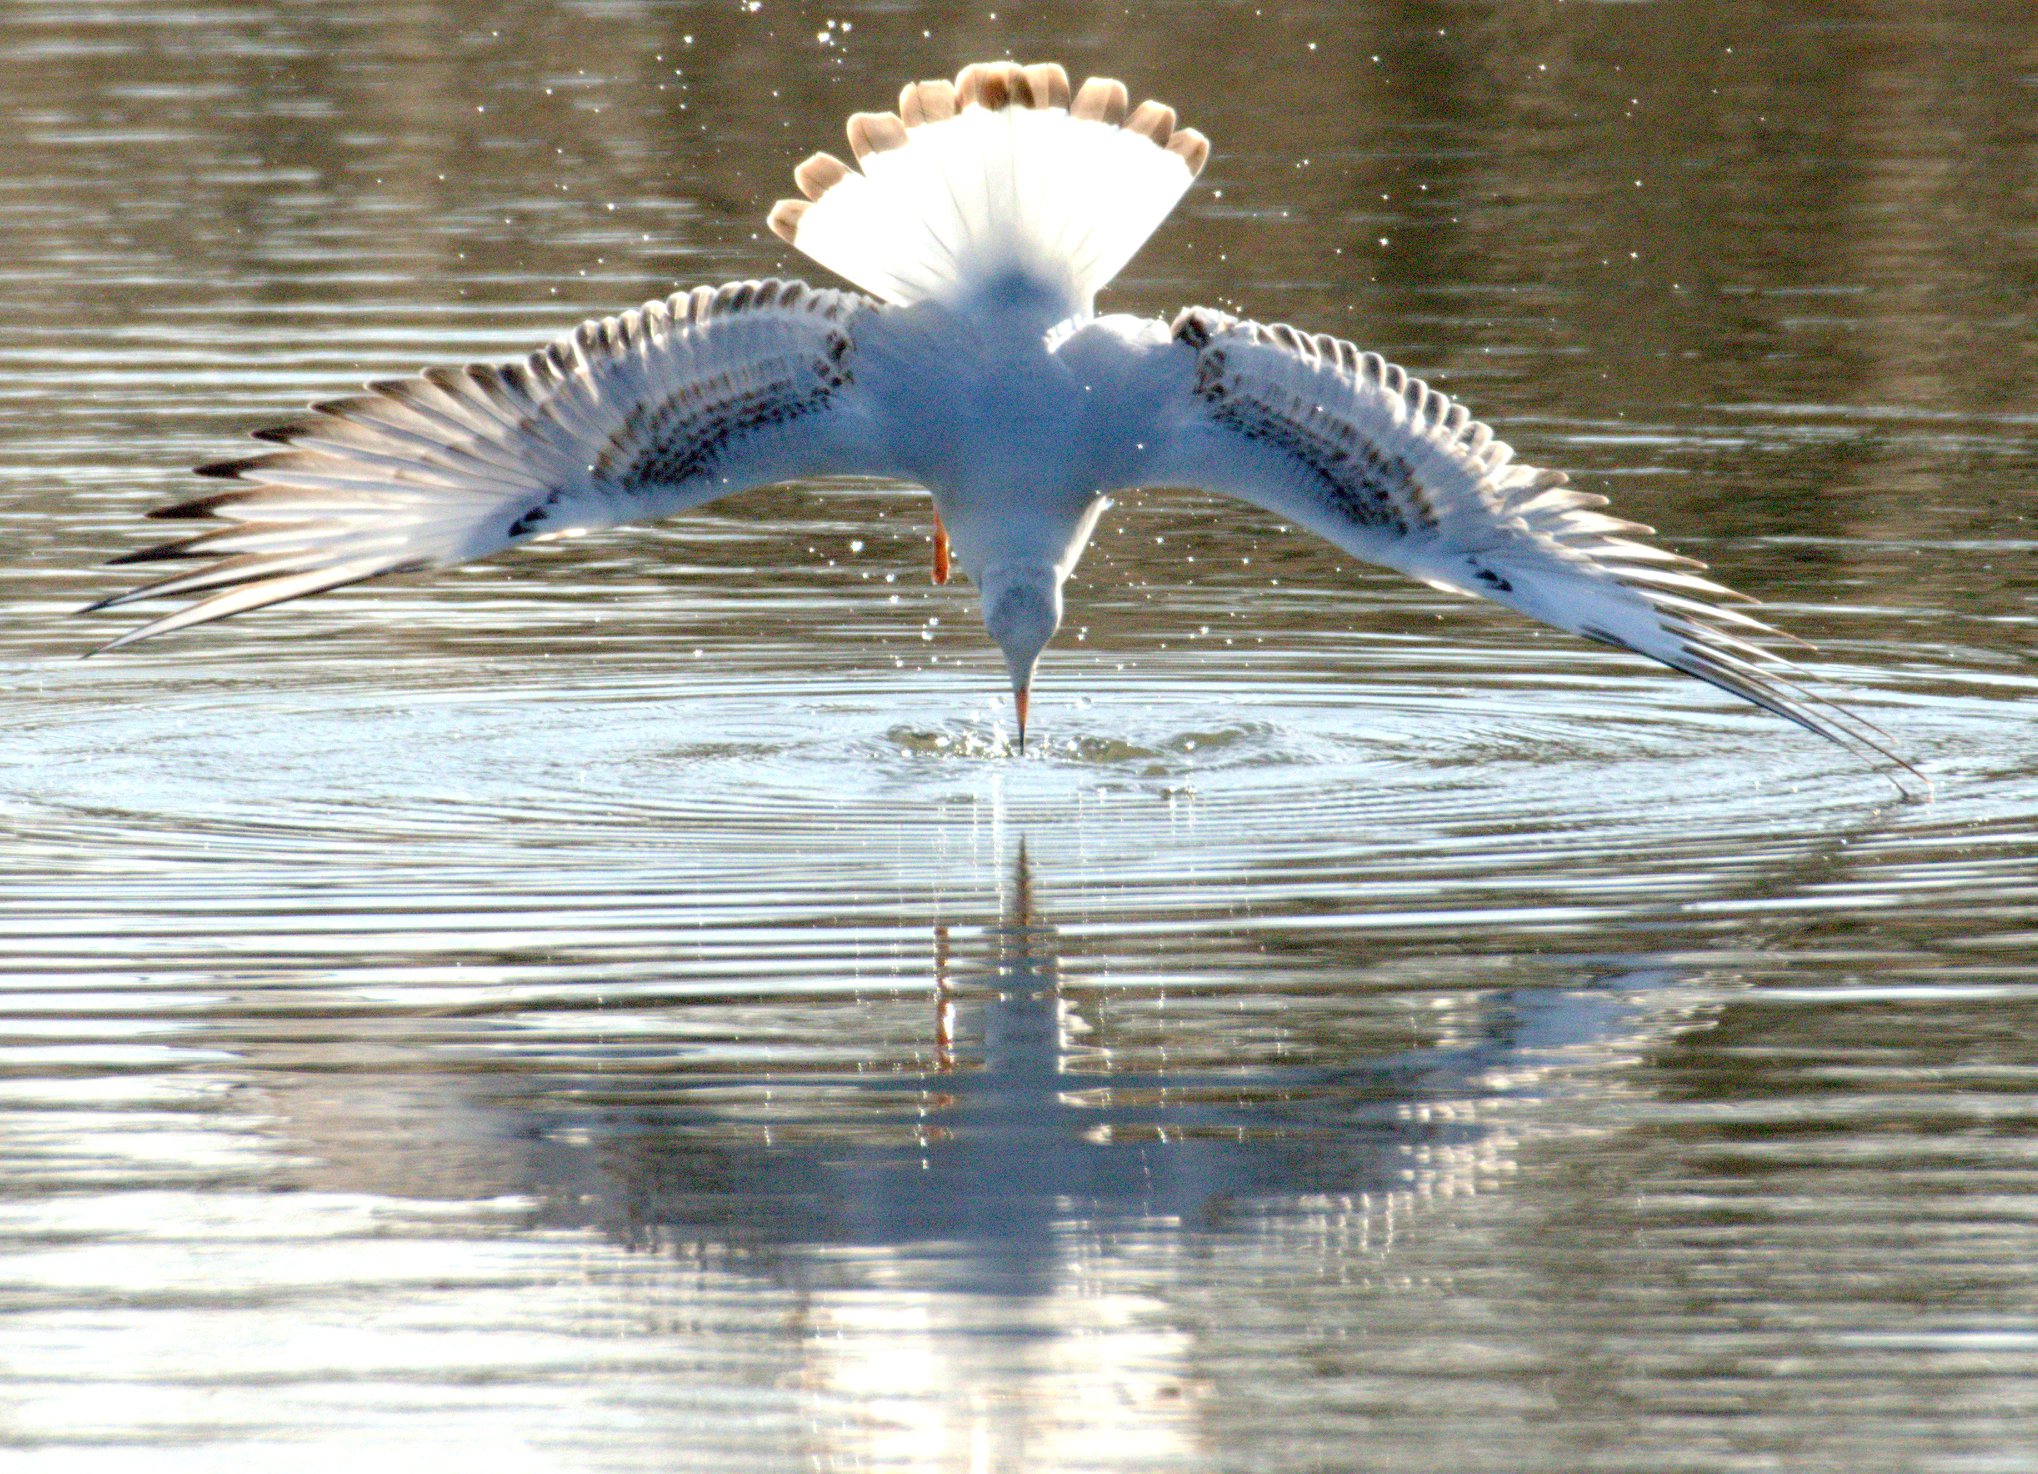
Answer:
[(1394, 472), (627, 418)]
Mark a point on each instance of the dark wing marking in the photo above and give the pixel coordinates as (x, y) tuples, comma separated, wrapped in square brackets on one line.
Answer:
[(1395, 472)]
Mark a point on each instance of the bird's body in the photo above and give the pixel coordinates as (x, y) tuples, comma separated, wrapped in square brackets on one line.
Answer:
[(1003, 432), (982, 220)]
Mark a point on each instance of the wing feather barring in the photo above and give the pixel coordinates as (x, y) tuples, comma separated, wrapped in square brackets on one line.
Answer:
[(979, 222)]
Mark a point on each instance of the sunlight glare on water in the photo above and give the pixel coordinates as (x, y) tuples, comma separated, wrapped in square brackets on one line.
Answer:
[(630, 1006)]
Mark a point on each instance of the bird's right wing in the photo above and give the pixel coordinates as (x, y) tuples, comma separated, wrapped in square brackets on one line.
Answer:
[(628, 418), (1392, 471)]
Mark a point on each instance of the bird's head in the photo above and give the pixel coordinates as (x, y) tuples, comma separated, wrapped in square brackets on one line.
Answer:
[(1022, 610)]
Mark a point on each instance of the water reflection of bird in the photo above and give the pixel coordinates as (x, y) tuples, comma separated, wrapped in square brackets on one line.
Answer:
[(984, 217), (1055, 1231), (1027, 1141), (1022, 1246)]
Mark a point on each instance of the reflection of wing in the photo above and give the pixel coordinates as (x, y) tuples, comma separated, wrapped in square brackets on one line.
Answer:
[(629, 417), (1394, 472)]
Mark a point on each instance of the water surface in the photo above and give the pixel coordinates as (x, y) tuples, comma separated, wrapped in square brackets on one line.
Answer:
[(628, 1006)]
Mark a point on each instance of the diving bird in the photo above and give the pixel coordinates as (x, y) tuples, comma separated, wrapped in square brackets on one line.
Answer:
[(979, 222)]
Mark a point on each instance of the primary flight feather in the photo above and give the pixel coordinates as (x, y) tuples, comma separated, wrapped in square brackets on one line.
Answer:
[(981, 218)]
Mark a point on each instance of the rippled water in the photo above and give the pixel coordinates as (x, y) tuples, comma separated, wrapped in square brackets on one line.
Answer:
[(629, 1007)]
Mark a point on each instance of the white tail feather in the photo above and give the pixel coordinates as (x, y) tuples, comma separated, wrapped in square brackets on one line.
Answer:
[(1001, 183)]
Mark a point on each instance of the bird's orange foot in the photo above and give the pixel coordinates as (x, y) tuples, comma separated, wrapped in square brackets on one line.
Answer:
[(940, 550)]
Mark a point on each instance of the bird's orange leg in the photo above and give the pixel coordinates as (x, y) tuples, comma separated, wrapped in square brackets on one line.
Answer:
[(940, 550)]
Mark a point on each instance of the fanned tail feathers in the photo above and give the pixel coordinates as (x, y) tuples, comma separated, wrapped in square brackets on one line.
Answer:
[(1003, 181)]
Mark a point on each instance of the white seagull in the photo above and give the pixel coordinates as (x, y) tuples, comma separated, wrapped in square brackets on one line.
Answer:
[(980, 219)]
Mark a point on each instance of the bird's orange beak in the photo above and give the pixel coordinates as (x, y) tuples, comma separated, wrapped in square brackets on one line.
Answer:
[(1019, 700)]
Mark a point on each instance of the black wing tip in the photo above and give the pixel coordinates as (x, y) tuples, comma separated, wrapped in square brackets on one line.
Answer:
[(228, 470), (204, 506), (201, 546), (183, 511), (154, 553), (1838, 724), (1790, 700)]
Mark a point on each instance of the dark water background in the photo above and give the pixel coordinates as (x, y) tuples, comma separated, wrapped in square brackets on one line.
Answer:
[(626, 1008)]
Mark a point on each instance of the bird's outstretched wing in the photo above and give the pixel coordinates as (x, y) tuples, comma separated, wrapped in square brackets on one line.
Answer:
[(627, 418), (1394, 472)]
